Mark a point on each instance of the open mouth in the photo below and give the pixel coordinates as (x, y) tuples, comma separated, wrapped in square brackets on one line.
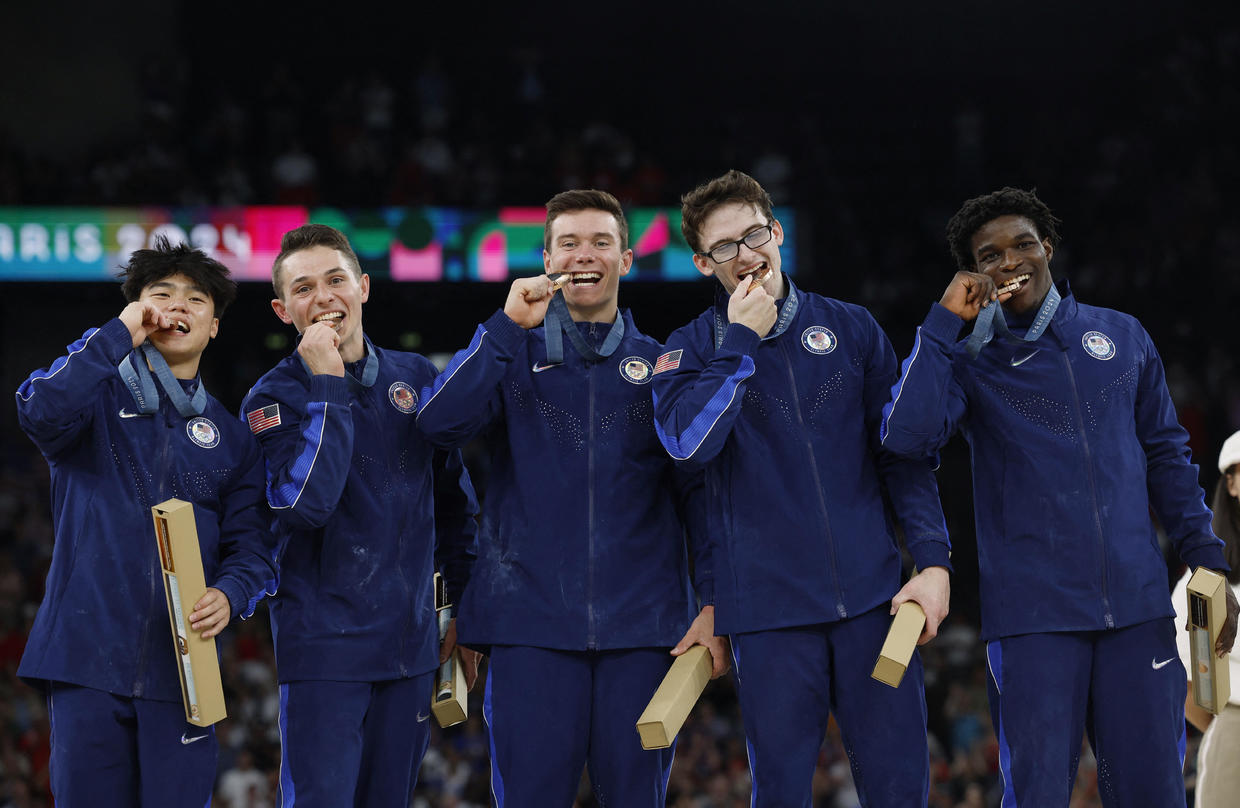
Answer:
[(1015, 284), (585, 278), (759, 273), (179, 326), (332, 318)]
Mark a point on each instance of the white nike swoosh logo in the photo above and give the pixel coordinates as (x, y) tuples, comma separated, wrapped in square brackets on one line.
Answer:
[(422, 718), (1017, 362), (537, 368), (124, 414), (186, 741), (1159, 665)]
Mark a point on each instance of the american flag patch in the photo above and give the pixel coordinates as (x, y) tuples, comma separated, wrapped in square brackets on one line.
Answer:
[(668, 361), (264, 418)]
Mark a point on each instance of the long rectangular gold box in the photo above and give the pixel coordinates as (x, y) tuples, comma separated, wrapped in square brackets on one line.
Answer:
[(197, 662), (1207, 611), (674, 698), (901, 641)]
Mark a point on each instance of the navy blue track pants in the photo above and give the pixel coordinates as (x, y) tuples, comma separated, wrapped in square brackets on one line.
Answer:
[(791, 680)]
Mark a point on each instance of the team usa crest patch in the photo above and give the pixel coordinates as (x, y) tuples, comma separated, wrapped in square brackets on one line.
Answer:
[(402, 397), (818, 339), (636, 370), (1098, 345), (204, 433), (263, 418)]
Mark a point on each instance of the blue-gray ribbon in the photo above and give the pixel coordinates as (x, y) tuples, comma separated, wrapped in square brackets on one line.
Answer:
[(141, 385), (559, 321), (990, 321)]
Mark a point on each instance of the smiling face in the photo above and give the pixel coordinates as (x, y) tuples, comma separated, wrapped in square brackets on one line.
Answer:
[(319, 284), (585, 244), (737, 221), (1011, 252), (192, 312)]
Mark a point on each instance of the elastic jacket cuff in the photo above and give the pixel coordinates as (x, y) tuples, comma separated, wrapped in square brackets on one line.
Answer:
[(931, 554), (741, 339), (506, 333), (332, 389), (941, 323), (117, 341), (1209, 556)]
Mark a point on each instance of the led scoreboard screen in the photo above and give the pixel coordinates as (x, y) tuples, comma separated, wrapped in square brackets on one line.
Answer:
[(401, 244)]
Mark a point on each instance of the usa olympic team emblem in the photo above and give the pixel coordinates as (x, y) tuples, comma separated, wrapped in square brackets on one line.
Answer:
[(1098, 344), (819, 340), (204, 433), (402, 397), (636, 370)]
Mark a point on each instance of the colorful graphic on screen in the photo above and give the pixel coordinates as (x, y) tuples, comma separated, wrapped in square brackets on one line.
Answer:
[(402, 244)]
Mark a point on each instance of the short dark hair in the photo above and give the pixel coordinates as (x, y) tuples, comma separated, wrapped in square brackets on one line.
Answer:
[(585, 199), (979, 210), (306, 237), (698, 204), (163, 260), (1227, 523)]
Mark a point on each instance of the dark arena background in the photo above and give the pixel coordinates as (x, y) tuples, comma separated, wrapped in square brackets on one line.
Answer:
[(433, 135)]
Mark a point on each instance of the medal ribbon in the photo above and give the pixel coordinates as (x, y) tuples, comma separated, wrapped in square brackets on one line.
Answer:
[(558, 321), (990, 321), (137, 378)]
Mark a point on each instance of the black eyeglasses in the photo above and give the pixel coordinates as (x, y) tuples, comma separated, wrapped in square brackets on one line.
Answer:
[(726, 252)]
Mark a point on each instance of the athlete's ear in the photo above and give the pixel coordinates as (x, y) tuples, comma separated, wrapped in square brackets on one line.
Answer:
[(277, 305)]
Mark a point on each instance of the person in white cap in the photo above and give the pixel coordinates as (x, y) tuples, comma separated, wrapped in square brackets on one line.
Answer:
[(1218, 776)]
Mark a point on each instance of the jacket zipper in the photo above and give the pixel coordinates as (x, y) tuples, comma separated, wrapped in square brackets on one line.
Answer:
[(591, 629), (1107, 617), (840, 609)]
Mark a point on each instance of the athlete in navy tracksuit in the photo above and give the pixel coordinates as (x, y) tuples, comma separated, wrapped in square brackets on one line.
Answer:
[(366, 509), (581, 585), (125, 423), (781, 404), (1074, 439)]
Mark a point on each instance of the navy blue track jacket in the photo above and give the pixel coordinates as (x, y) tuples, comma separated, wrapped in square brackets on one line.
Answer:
[(366, 510), (582, 537), (787, 429), (1074, 438), (103, 622)]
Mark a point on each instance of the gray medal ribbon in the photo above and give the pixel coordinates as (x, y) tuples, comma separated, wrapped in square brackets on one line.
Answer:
[(990, 321), (142, 387), (558, 321)]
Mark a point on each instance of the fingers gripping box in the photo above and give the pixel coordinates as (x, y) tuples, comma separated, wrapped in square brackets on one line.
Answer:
[(184, 583)]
